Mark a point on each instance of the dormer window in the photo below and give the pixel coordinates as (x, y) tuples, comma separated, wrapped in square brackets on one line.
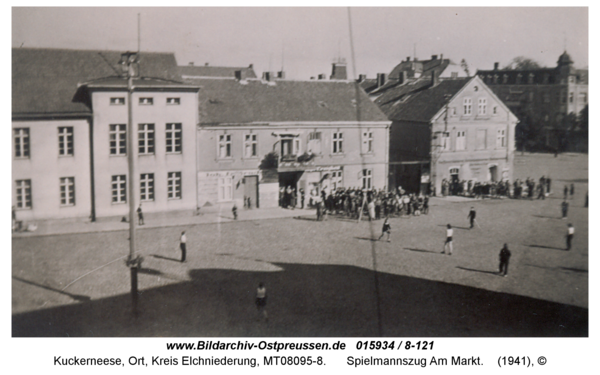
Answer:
[(146, 101), (117, 101), (173, 101)]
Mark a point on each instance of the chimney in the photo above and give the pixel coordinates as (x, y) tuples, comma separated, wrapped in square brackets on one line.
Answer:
[(191, 63), (434, 78), (281, 74), (205, 64), (441, 56), (362, 77), (496, 65), (434, 57), (407, 58), (338, 71), (266, 76), (322, 77), (380, 79)]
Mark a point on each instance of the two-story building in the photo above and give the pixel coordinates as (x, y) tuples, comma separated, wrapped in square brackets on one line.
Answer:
[(257, 136), (453, 129), (69, 130)]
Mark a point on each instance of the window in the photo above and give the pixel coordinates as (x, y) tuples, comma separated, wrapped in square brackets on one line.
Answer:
[(367, 142), (495, 110), (118, 139), (147, 186), (250, 146), (174, 185), (145, 139), (119, 192), (482, 106), (445, 141), (117, 101), (224, 186), (173, 137), (314, 143), (461, 140), (173, 101), (21, 136), (336, 180), (467, 102), (481, 139), (582, 97), (23, 194), (225, 146), (453, 111), (501, 139), (65, 141), (454, 75), (146, 101), (505, 78), (366, 178), (530, 78), (571, 97), (563, 96), (67, 191), (338, 143)]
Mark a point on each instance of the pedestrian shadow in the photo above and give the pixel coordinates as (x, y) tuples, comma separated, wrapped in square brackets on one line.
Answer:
[(548, 247), (420, 250), (305, 218), (546, 217), (367, 239), (453, 227), (165, 258), (578, 270), (474, 270), (149, 271), (76, 297)]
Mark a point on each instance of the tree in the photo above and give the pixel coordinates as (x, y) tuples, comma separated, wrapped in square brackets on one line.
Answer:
[(522, 63), (465, 67)]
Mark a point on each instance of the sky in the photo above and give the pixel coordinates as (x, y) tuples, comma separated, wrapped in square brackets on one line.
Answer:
[(305, 41)]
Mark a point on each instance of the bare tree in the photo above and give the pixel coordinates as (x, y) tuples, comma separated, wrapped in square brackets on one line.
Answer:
[(465, 67), (522, 63)]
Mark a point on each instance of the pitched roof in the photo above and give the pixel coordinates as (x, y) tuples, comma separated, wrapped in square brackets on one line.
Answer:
[(422, 104), (44, 80), (231, 101), (215, 71)]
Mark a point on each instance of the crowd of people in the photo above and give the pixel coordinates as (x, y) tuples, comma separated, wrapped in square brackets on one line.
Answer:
[(355, 203), (517, 189)]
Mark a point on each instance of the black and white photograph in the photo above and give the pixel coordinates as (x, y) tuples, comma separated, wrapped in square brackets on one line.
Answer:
[(300, 172)]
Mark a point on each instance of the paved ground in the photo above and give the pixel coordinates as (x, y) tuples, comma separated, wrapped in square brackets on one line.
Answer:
[(319, 274)]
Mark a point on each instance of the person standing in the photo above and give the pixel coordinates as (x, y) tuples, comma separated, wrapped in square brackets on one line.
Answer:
[(448, 243), (385, 229), (565, 208), (261, 301), (140, 215), (504, 257), (570, 234), (234, 211), (471, 217), (566, 192), (182, 244), (301, 198), (572, 190)]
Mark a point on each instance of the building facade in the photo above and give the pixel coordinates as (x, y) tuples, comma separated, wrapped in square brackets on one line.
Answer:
[(257, 137), (543, 99)]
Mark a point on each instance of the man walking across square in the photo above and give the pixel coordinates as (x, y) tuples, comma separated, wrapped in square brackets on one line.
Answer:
[(471, 216), (570, 234), (385, 229), (565, 209), (448, 243), (182, 245), (504, 257)]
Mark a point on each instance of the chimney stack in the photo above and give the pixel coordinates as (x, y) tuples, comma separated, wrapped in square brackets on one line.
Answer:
[(407, 58), (240, 75), (322, 77), (266, 76), (191, 63), (338, 71), (496, 65), (205, 64), (434, 57), (362, 77), (281, 74)]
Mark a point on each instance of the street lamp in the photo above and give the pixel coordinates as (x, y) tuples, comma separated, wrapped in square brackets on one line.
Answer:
[(129, 64)]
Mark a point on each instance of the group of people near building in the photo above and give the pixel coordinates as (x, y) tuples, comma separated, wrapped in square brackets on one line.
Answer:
[(372, 204), (518, 189)]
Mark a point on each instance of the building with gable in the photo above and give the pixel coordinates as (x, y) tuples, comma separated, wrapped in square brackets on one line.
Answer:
[(452, 129)]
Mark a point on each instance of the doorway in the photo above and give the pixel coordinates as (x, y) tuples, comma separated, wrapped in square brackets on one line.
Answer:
[(251, 192)]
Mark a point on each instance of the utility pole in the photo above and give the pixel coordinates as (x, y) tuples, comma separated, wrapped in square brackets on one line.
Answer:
[(129, 61)]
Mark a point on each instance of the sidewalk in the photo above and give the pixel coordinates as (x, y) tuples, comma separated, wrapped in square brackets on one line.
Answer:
[(160, 220)]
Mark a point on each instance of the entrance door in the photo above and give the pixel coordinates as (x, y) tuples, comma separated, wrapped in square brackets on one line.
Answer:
[(251, 191), (454, 181), (493, 173)]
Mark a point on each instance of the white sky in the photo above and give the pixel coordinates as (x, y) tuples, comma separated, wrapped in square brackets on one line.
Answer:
[(309, 39)]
